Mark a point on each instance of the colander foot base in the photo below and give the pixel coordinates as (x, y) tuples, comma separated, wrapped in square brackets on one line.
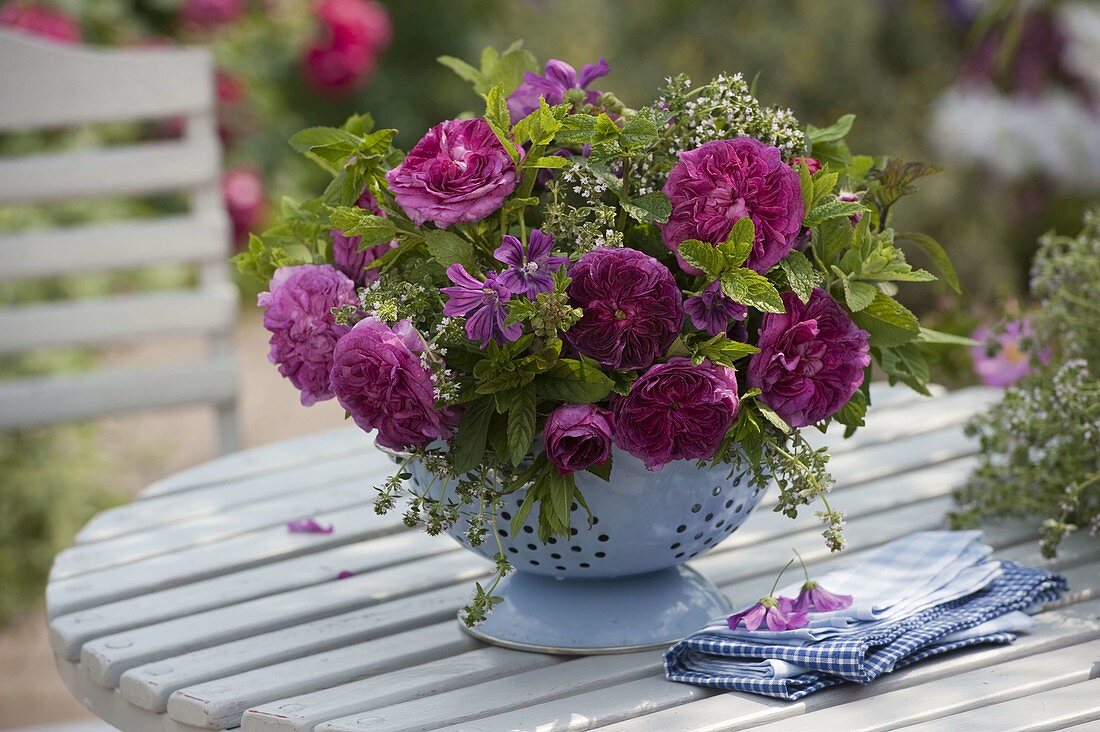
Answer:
[(595, 616)]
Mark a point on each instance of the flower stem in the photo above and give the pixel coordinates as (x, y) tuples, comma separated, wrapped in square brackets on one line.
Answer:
[(776, 583)]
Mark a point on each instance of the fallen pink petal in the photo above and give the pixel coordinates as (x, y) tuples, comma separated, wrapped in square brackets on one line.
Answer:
[(308, 526)]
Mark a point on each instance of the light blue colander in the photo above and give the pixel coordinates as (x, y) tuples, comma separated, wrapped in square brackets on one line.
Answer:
[(618, 584)]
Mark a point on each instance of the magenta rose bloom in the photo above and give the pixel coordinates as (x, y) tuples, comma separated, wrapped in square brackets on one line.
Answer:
[(303, 329), (713, 186), (458, 172), (40, 20), (632, 308), (577, 436), (352, 260), (811, 359), (676, 411), (378, 377)]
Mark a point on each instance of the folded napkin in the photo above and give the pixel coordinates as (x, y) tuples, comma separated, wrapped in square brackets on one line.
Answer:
[(714, 660), (896, 580)]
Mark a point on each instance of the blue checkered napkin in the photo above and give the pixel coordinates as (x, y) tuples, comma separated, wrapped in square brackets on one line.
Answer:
[(896, 580), (705, 658)]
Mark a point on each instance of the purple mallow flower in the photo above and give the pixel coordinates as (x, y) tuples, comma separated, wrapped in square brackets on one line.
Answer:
[(308, 526), (677, 410), (459, 171), (352, 260), (811, 360), (715, 185), (1001, 359), (774, 613), (379, 378), (304, 331), (632, 308), (577, 436), (712, 311), (813, 598), (529, 268), (559, 77), (482, 302)]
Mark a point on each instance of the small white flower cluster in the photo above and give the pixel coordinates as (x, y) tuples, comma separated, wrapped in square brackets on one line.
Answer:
[(409, 300), (588, 227)]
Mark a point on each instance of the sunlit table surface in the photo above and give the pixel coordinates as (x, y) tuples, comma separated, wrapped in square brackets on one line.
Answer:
[(194, 607)]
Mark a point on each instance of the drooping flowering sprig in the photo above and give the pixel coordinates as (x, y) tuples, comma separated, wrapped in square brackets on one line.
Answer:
[(696, 279)]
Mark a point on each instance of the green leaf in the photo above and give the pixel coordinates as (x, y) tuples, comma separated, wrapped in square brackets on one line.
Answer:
[(904, 363), (649, 209), (449, 248), (345, 188), (496, 108), (521, 426), (935, 252), (464, 70), (774, 418), (824, 182), (574, 381), (355, 221), (260, 261), (858, 295), (541, 125), (548, 161), (887, 321), (468, 445), (577, 129), (721, 350), (638, 131), (314, 137), (834, 132), (602, 470), (832, 209), (802, 276), (852, 413), (927, 335), (834, 238), (703, 256), (752, 289), (738, 245)]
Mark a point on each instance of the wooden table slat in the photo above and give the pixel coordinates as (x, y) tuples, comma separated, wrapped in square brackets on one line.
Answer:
[(1049, 710)]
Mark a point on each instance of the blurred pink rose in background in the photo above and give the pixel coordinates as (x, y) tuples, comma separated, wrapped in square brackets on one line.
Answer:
[(39, 20), (1001, 359), (354, 33), (209, 14), (245, 200)]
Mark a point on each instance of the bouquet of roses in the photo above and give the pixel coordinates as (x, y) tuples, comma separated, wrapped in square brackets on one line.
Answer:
[(696, 279)]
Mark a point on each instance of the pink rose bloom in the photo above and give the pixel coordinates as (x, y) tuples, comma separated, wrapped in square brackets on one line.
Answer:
[(458, 172), (303, 329), (41, 21), (632, 308), (245, 200), (676, 411), (713, 186), (352, 260), (379, 379), (209, 14), (811, 359), (577, 436), (354, 34), (1001, 360), (812, 164)]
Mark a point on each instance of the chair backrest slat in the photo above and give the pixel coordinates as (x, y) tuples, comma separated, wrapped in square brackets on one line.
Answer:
[(181, 239), (47, 86)]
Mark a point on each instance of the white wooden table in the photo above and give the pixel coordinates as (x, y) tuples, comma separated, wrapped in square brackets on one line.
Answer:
[(194, 607)]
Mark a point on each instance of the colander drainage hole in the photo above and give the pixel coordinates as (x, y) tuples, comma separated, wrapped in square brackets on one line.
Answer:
[(681, 529), (708, 517), (699, 536), (575, 549), (601, 555), (696, 508), (603, 537), (555, 555), (532, 547), (506, 516), (675, 546), (584, 565)]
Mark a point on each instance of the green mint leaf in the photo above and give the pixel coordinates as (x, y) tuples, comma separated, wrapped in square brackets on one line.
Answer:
[(449, 248), (887, 321), (824, 182), (935, 252), (355, 221), (833, 133), (496, 108), (652, 208), (605, 128), (577, 129), (904, 363), (548, 161), (703, 256), (464, 71), (521, 426), (927, 335), (852, 413), (858, 295), (832, 209), (738, 245), (723, 351), (638, 131), (574, 381), (468, 445), (802, 276), (774, 418), (752, 289)]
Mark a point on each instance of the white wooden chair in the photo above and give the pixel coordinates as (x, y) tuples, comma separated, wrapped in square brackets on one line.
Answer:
[(49, 86)]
